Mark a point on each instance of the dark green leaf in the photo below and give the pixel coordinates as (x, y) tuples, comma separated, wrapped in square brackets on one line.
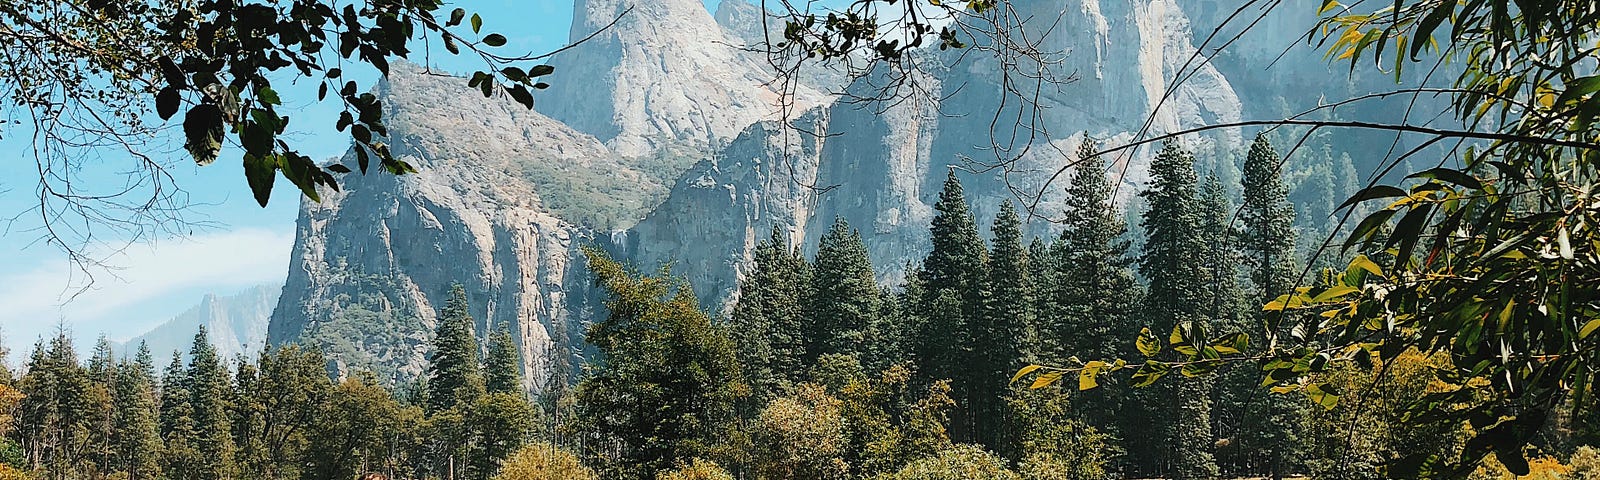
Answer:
[(1425, 28), (203, 130), (361, 158), (494, 40), (521, 95), (1371, 193), (167, 102), (1450, 175), (170, 72), (261, 172), (268, 96)]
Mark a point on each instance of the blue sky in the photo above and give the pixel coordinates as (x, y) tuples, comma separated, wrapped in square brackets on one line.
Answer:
[(247, 245)]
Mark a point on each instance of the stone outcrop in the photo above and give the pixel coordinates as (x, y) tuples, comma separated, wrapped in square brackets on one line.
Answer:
[(395, 245), (664, 76)]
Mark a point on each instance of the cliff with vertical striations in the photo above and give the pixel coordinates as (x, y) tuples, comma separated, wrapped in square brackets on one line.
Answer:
[(661, 141)]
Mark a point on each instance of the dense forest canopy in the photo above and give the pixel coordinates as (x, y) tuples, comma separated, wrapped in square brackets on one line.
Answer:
[(819, 372)]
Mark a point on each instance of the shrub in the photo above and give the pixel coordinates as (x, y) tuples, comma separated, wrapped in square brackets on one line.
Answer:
[(697, 469), (801, 436), (543, 461), (1585, 464), (7, 472), (960, 462)]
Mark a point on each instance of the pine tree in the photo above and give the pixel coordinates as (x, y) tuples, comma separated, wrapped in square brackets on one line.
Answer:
[(503, 368), (1174, 242), (1096, 290), (1267, 217), (844, 298), (1095, 297), (1269, 428), (886, 344), (766, 321), (249, 413), (180, 454), (1219, 259), (453, 375), (56, 417), (1042, 269), (999, 337), (955, 270), (101, 377), (210, 392), (136, 436), (668, 383)]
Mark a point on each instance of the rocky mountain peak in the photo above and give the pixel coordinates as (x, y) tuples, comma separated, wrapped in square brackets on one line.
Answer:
[(664, 77)]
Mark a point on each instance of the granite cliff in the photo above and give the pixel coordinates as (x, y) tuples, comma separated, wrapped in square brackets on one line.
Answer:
[(661, 141)]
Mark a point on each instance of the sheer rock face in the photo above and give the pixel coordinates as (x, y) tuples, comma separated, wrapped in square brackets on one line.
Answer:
[(663, 75), (469, 216), (881, 166), (492, 205)]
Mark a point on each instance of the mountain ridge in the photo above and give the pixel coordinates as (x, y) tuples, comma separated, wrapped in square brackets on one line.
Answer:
[(236, 324)]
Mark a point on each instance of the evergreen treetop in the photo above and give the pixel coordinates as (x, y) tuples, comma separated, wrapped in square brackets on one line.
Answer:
[(453, 372), (1267, 218), (503, 367), (844, 297)]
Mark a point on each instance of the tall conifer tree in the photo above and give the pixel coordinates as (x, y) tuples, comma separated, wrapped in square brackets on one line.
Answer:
[(1267, 217), (844, 296), (503, 368), (1267, 243), (453, 373), (1096, 290), (180, 454), (1219, 259), (999, 337), (886, 344), (952, 278), (1095, 297), (56, 418), (99, 406), (1042, 266), (249, 413), (210, 393), (1174, 243), (766, 321), (137, 440), (669, 380)]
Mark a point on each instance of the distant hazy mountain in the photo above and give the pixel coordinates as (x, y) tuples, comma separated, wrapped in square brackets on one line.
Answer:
[(237, 324)]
